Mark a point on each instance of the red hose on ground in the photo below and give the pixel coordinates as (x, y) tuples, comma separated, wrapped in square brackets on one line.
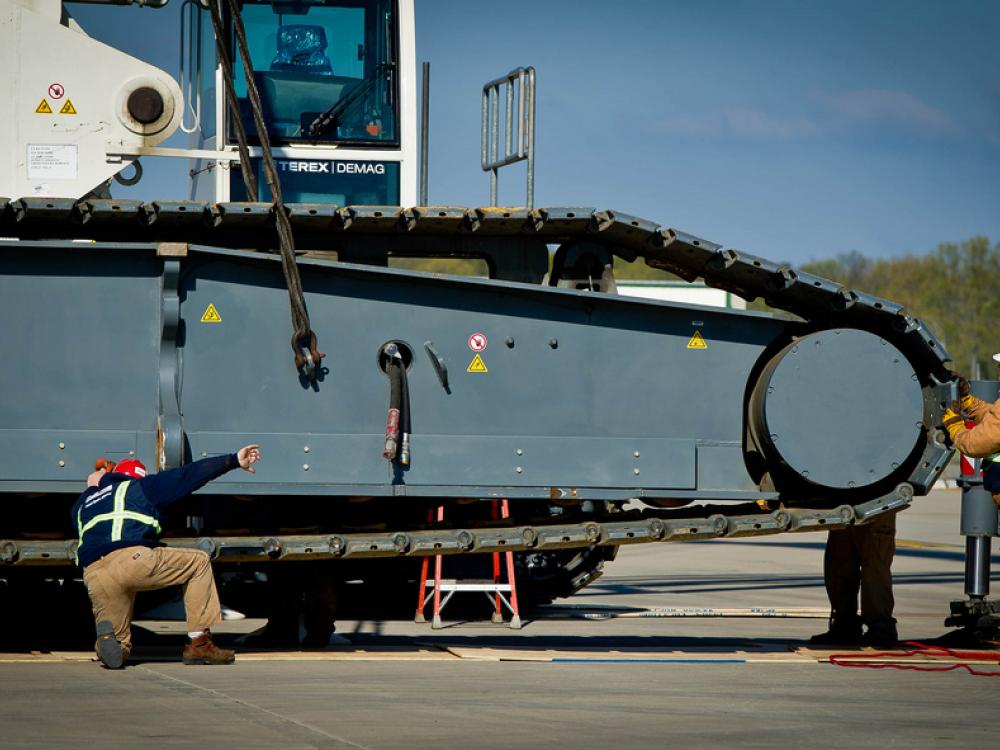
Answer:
[(879, 659)]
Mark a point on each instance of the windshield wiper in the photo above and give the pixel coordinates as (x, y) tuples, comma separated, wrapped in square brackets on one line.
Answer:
[(329, 120)]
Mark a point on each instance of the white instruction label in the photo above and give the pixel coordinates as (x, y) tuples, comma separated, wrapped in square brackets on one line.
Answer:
[(52, 161)]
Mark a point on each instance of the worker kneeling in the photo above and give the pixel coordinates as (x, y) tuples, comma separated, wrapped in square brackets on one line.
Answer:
[(117, 519)]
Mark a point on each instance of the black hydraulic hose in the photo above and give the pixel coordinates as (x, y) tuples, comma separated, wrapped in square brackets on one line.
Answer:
[(392, 420), (404, 417)]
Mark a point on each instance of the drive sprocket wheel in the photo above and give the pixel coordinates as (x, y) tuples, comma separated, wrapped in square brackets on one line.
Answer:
[(545, 576)]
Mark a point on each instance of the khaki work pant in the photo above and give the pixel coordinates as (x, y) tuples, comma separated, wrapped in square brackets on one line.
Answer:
[(859, 558), (113, 581)]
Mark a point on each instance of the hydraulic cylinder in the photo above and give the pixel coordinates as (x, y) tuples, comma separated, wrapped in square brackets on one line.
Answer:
[(979, 515)]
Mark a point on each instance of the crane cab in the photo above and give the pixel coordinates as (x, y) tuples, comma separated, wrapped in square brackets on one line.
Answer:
[(338, 96)]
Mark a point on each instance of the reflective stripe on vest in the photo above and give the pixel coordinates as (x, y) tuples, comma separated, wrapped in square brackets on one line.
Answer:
[(118, 516)]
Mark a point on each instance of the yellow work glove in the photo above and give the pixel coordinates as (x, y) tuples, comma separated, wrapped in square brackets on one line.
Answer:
[(963, 391), (953, 423), (963, 384)]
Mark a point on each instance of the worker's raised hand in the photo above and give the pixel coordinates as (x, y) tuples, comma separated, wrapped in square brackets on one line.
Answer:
[(247, 457), (963, 384)]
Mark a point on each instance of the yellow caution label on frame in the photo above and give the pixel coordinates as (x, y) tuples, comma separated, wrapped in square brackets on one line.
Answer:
[(43, 108), (211, 315), (68, 108), (697, 341), (476, 365)]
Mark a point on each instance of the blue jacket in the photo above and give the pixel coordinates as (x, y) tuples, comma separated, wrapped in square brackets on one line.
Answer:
[(103, 527)]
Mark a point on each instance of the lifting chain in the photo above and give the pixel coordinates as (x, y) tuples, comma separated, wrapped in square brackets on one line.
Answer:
[(304, 344)]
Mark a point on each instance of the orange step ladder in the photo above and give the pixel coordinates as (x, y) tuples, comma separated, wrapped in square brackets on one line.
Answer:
[(503, 594)]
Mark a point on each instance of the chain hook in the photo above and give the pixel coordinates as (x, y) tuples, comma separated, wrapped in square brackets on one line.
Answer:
[(307, 357)]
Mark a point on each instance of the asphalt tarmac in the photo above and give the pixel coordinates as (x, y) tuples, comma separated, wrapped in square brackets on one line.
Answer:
[(691, 645)]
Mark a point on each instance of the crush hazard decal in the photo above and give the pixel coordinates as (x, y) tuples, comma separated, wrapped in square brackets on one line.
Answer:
[(211, 315), (697, 341)]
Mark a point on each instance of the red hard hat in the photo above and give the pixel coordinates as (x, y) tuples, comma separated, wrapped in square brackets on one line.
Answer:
[(131, 467)]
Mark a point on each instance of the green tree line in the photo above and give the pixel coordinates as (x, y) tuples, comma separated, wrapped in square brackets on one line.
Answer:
[(953, 289)]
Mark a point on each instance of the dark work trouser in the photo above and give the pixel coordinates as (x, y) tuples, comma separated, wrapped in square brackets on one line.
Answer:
[(859, 558)]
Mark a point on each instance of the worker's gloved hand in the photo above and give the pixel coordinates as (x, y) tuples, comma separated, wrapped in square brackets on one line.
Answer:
[(964, 392), (248, 456), (963, 384), (953, 422)]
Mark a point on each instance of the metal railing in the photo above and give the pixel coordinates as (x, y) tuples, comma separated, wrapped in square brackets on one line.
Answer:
[(425, 106), (519, 98)]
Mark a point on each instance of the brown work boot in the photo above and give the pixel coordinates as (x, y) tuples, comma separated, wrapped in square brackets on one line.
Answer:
[(202, 651)]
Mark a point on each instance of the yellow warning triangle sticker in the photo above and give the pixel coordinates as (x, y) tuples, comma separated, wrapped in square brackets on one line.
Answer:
[(43, 108), (211, 315), (697, 341), (68, 108), (477, 365)]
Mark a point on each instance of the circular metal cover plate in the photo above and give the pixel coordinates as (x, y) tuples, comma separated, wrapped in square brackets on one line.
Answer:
[(843, 408)]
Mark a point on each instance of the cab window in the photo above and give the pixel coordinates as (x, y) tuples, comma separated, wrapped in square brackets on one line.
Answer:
[(325, 70)]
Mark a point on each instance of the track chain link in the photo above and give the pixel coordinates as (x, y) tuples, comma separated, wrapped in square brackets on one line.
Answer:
[(641, 527)]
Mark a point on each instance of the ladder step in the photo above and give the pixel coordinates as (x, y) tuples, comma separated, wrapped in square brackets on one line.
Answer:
[(452, 584)]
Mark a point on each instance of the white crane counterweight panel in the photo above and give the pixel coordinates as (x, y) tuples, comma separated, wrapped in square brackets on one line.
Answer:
[(69, 102)]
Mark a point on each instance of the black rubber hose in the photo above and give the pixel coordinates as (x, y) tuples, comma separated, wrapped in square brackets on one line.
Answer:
[(392, 417), (404, 421)]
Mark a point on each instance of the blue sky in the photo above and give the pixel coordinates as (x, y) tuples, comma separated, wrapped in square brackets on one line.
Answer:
[(793, 130)]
